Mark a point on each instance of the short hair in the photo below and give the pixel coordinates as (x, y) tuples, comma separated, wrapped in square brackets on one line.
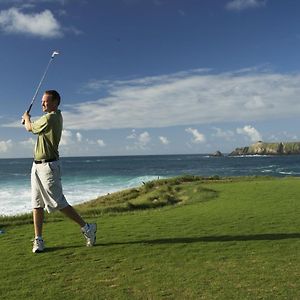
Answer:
[(54, 94)]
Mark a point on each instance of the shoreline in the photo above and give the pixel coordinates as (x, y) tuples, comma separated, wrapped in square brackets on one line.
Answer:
[(87, 178), (203, 179)]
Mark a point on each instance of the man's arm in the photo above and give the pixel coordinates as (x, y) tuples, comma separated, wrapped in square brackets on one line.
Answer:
[(27, 124)]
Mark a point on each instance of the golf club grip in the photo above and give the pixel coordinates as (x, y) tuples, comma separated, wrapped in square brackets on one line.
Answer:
[(28, 111)]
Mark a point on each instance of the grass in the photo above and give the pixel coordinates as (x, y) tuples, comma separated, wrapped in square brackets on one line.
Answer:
[(182, 238)]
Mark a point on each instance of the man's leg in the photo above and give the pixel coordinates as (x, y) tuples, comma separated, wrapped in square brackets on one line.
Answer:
[(38, 219), (88, 230), (71, 213)]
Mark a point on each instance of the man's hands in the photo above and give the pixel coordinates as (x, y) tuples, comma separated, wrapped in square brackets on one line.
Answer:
[(26, 120), (26, 117)]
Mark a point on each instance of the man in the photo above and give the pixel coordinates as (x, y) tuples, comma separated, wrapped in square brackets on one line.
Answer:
[(45, 174)]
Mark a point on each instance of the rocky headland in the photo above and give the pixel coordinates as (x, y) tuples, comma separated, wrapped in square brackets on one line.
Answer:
[(261, 148)]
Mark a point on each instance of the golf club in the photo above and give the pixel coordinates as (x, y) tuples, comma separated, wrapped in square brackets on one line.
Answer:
[(42, 79)]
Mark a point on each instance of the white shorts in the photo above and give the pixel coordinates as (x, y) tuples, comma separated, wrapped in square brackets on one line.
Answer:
[(46, 188)]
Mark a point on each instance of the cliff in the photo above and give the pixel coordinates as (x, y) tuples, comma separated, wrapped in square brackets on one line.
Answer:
[(261, 148)]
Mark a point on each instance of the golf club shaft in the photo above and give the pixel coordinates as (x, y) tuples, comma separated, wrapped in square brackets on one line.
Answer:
[(39, 86), (40, 83)]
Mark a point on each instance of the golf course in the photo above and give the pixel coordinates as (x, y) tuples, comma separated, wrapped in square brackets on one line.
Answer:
[(180, 238)]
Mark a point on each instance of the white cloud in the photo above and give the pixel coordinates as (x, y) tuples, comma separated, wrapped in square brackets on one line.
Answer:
[(32, 2), (78, 137), (257, 102), (290, 136), (101, 143), (189, 98), (140, 141), (66, 138), (5, 146), (250, 132), (74, 143), (37, 24), (144, 139), (164, 140), (239, 5), (132, 135), (28, 143), (197, 137), (283, 136), (73, 30), (224, 134)]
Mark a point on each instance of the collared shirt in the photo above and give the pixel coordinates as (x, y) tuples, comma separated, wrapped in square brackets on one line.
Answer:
[(49, 129)]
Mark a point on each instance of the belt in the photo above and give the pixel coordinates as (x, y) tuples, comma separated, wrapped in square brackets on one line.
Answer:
[(45, 161)]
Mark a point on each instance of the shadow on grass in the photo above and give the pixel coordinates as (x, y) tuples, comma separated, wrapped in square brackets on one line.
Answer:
[(205, 239), (189, 240), (57, 248)]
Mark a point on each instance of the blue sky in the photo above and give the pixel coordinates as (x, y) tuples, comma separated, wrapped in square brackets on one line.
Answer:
[(152, 76)]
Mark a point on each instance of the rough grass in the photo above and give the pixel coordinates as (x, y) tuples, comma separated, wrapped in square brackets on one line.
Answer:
[(152, 194), (221, 239)]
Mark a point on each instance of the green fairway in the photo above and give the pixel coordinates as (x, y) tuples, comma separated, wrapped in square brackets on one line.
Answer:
[(184, 238)]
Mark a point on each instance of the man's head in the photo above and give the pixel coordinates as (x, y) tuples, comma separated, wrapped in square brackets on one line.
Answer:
[(50, 101)]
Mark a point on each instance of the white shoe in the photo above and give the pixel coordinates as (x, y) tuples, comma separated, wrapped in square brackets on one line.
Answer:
[(90, 234), (38, 245)]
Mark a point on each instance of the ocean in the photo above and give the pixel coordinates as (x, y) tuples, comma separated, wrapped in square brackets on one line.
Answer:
[(85, 178)]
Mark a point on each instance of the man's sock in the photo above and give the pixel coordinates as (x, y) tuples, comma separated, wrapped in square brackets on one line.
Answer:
[(86, 227)]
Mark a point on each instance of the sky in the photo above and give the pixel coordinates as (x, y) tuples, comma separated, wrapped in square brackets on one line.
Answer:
[(145, 77)]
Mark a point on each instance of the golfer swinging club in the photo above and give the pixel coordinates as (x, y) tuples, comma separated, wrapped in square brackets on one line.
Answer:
[(45, 174)]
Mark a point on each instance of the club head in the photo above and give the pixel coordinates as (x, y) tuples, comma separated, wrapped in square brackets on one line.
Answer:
[(54, 53)]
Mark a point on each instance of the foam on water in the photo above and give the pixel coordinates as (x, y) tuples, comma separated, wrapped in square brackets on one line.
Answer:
[(17, 199)]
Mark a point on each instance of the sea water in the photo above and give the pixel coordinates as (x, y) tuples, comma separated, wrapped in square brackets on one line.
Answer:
[(86, 178)]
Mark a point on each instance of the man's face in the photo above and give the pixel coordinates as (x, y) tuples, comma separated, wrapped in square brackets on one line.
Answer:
[(47, 104)]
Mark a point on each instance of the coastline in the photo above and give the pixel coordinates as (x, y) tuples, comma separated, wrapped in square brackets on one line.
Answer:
[(86, 178)]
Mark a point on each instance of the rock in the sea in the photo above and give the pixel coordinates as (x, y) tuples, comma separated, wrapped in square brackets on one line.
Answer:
[(217, 154)]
